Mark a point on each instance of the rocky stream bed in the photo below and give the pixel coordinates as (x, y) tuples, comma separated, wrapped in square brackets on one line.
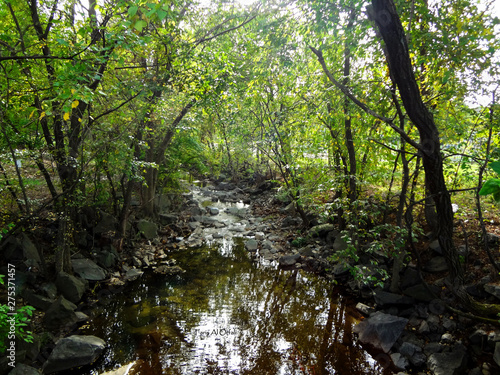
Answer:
[(410, 332)]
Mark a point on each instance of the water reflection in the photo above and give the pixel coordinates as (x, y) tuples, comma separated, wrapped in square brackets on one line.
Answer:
[(226, 315)]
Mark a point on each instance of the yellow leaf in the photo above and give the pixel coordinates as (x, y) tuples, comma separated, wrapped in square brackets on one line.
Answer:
[(79, 120), (42, 115), (75, 104), (66, 116), (32, 113), (73, 91)]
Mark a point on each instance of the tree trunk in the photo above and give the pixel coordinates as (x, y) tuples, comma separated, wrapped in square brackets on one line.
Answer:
[(389, 25)]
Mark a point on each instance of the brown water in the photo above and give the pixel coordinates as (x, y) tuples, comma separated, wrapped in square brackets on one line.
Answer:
[(228, 314)]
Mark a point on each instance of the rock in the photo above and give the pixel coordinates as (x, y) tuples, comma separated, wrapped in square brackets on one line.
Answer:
[(148, 229), (289, 260), (106, 223), (88, 270), (289, 209), (409, 278), (167, 219), (260, 236), (213, 211), (36, 300), (448, 363), (364, 309), (30, 251), (169, 270), (399, 361), (493, 289), (493, 239), (106, 259), (133, 273), (479, 337), (291, 221), (22, 369), (74, 351), (71, 287), (322, 230), (436, 247), (408, 349), (418, 359), (383, 298), (251, 245), (421, 293), (496, 354), (436, 264), (61, 313), (381, 330), (339, 244)]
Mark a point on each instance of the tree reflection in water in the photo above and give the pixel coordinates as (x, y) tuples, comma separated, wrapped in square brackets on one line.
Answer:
[(228, 314)]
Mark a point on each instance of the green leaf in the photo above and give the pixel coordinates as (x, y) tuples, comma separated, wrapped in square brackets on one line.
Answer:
[(139, 25), (490, 187), (132, 11), (63, 42), (495, 166)]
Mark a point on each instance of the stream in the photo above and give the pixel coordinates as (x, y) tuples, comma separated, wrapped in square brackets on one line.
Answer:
[(229, 313)]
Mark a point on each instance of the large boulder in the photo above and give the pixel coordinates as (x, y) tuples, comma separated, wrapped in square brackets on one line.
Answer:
[(381, 330), (88, 270), (74, 351), (61, 313), (71, 287)]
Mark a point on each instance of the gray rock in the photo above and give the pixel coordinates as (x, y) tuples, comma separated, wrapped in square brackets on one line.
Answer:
[(29, 249), (133, 273), (289, 260), (322, 230), (106, 259), (400, 361), (479, 337), (213, 211), (433, 348), (22, 369), (409, 278), (418, 359), (448, 363), (383, 298), (381, 330), (71, 287), (493, 289), (493, 239), (339, 244), (496, 354), (420, 292), (74, 351), (88, 270), (364, 309), (36, 300), (148, 229), (166, 219), (106, 223), (61, 313), (291, 221), (436, 264), (251, 245), (436, 247), (408, 349)]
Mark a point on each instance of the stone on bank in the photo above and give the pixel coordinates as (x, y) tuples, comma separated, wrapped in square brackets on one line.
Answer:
[(74, 351)]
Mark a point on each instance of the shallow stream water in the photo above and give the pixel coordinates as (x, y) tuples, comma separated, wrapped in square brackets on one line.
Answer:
[(229, 314)]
